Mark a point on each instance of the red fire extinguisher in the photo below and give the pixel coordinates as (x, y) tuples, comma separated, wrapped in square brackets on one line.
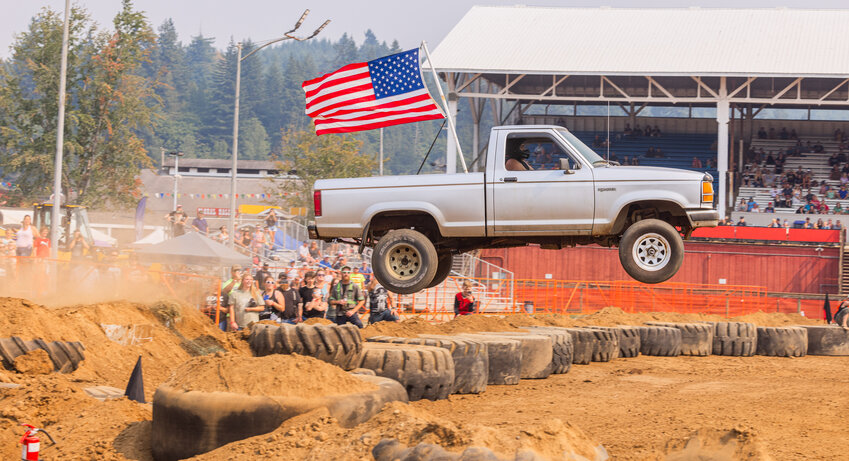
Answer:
[(31, 443)]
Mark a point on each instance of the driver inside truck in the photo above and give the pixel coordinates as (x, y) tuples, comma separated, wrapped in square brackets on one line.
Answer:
[(517, 158)]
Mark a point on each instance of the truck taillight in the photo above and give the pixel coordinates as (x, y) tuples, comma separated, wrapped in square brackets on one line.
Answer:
[(316, 198), (707, 192)]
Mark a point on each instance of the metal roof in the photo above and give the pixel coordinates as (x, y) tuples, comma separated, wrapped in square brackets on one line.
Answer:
[(626, 41)]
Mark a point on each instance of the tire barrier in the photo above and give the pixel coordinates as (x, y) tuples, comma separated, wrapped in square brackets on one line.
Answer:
[(537, 353), (505, 357), (737, 339), (471, 360), (561, 349), (65, 356), (337, 345), (660, 341), (827, 340), (629, 340), (782, 341), (186, 424), (426, 372), (696, 338)]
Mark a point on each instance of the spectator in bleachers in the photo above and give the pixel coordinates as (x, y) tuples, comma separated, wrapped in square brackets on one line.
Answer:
[(838, 208), (761, 133), (656, 132), (833, 161), (819, 224), (808, 224), (784, 133), (709, 164), (325, 262), (774, 223), (769, 208), (366, 271), (838, 225), (628, 131), (770, 160), (696, 163), (771, 134), (742, 221), (613, 157), (626, 160), (742, 206), (597, 141), (340, 262), (828, 224), (793, 134), (304, 254), (292, 270), (838, 135), (834, 175), (315, 253), (842, 193), (637, 132), (831, 194), (751, 204)]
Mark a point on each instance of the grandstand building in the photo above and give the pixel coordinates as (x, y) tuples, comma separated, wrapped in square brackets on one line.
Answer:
[(708, 79)]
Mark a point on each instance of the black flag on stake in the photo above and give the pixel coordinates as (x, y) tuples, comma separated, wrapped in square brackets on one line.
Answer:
[(827, 307), (135, 388)]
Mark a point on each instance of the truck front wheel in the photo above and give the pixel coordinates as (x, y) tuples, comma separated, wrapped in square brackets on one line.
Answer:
[(651, 251), (404, 261)]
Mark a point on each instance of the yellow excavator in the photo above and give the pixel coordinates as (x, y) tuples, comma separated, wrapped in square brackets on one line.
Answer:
[(73, 218)]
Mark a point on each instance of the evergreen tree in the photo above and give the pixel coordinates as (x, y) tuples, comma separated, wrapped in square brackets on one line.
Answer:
[(346, 52)]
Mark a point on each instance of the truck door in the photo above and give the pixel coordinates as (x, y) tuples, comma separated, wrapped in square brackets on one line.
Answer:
[(546, 200)]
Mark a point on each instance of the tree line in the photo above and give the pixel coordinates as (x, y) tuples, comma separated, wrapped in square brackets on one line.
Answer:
[(134, 89)]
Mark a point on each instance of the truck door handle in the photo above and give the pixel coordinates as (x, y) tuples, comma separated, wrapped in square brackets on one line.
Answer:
[(511, 179)]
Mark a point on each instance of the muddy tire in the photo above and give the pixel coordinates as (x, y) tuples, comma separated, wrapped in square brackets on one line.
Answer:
[(601, 345), (338, 345), (404, 261), (505, 357), (584, 343), (186, 424), (561, 349), (782, 341), (426, 372), (660, 341), (827, 340), (471, 360), (696, 338), (651, 251), (629, 340), (737, 339), (65, 356), (537, 352), (443, 269)]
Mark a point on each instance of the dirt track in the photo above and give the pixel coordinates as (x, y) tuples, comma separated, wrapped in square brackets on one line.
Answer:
[(796, 407)]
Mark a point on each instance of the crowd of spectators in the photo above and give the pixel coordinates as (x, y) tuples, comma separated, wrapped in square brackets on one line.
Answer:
[(828, 224)]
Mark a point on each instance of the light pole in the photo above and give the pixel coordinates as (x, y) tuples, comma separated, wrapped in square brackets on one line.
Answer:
[(176, 156), (239, 59), (60, 139)]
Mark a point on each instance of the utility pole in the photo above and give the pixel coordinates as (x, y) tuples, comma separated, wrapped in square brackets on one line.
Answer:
[(60, 140)]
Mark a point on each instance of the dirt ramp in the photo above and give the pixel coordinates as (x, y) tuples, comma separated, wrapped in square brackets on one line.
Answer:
[(717, 445)]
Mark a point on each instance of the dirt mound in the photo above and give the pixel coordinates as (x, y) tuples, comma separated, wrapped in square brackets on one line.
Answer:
[(115, 334), (317, 436), (718, 445), (35, 362), (318, 321), (406, 329), (775, 319), (282, 375), (82, 426), (472, 323)]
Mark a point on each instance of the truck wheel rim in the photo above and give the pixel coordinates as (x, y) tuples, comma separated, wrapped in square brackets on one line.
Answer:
[(403, 261), (651, 252)]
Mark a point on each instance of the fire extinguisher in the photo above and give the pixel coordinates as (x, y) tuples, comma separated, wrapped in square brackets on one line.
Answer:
[(31, 443)]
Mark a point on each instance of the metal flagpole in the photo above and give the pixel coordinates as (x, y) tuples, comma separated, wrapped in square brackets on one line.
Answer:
[(381, 151), (445, 105), (60, 139), (608, 131)]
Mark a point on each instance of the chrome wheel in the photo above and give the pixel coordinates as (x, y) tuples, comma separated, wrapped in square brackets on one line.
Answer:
[(651, 252)]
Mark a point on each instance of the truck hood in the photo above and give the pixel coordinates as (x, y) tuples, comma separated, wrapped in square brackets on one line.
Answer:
[(645, 173)]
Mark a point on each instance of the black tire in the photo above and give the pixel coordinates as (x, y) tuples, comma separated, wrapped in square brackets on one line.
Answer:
[(696, 338), (338, 345), (443, 269), (600, 345), (782, 341), (629, 340), (583, 342), (505, 357), (426, 372), (404, 261), (561, 349), (65, 356), (651, 251), (827, 340), (737, 339), (186, 424), (660, 341), (471, 360), (537, 352)]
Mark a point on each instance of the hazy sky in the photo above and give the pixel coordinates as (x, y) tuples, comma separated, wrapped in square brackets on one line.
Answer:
[(408, 21)]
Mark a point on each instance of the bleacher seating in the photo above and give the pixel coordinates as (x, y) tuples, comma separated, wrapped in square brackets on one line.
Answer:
[(678, 149)]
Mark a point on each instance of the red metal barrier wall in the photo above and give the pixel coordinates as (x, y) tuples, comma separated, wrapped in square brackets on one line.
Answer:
[(779, 268)]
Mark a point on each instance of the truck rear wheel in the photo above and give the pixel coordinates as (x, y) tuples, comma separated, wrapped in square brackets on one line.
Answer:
[(651, 251), (404, 261), (443, 269)]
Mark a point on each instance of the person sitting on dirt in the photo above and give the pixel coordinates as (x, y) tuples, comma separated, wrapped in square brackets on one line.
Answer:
[(517, 159), (245, 303), (841, 317), (380, 303), (348, 299), (464, 301)]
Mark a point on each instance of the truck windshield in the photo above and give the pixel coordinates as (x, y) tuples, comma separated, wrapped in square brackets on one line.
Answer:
[(582, 148)]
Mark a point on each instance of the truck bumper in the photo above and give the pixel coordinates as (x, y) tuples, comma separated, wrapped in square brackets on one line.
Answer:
[(313, 231), (703, 218)]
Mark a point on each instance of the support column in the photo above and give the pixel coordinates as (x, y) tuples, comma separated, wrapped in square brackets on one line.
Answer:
[(451, 147), (722, 108)]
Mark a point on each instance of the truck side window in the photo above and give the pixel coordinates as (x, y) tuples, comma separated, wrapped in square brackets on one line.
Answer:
[(540, 152)]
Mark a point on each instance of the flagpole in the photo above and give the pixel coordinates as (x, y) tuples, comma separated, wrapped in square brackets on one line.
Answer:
[(445, 105)]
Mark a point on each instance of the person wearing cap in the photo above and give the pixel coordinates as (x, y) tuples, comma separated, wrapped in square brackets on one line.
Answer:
[(200, 225), (175, 218), (347, 297), (325, 262)]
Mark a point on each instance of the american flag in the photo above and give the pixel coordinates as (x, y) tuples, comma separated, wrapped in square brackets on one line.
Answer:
[(367, 95)]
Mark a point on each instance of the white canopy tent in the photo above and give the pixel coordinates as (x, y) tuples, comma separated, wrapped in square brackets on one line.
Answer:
[(731, 59)]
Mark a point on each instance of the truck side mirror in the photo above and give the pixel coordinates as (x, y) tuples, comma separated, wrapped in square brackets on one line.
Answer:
[(564, 165)]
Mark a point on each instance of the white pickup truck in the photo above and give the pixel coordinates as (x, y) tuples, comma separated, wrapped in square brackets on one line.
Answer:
[(541, 185)]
